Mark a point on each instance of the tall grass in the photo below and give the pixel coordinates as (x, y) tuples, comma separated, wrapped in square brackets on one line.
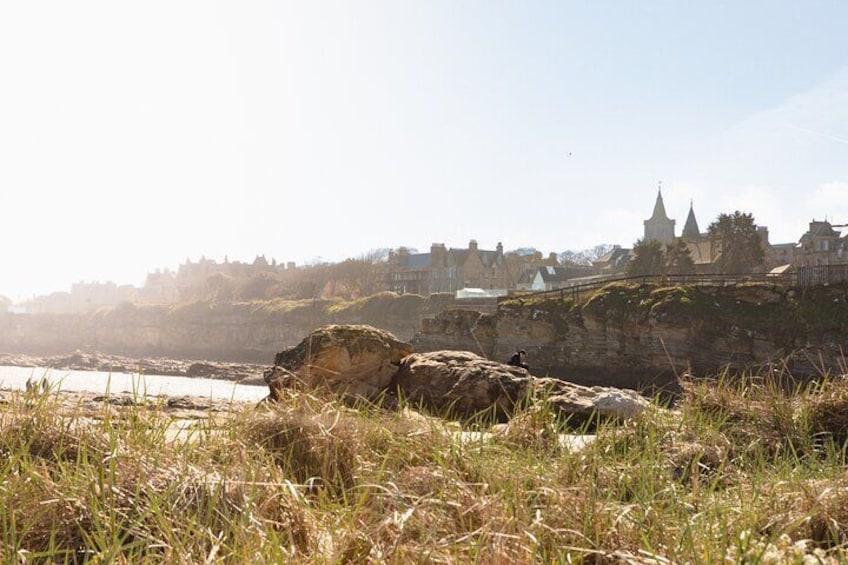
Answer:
[(742, 470)]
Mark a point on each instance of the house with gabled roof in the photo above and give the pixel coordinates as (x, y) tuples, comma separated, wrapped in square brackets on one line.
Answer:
[(446, 270), (551, 278), (821, 245), (614, 261)]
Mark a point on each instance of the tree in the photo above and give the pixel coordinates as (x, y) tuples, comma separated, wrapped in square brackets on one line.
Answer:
[(220, 287), (260, 286), (648, 258), (524, 251), (678, 259), (735, 238), (586, 256)]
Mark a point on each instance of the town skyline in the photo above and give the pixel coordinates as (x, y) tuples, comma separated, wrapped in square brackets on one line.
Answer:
[(319, 260), (322, 130), (453, 269)]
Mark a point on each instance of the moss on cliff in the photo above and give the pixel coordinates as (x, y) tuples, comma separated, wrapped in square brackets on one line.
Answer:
[(558, 312), (285, 307), (784, 316), (824, 309), (719, 307), (620, 302)]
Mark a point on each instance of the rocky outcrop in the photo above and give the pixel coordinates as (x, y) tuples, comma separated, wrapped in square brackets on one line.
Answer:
[(461, 383), (364, 362), (349, 360), (626, 335), (636, 335), (212, 330), (244, 373), (581, 403)]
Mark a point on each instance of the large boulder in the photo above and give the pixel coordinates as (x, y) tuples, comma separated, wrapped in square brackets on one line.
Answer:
[(581, 404), (460, 383), (349, 360)]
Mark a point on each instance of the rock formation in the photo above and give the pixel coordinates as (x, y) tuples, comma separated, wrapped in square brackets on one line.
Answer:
[(249, 332), (461, 383), (364, 362), (625, 335), (349, 360), (632, 335)]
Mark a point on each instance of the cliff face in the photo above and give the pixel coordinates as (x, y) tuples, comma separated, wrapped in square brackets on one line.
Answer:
[(624, 335), (251, 331), (630, 335)]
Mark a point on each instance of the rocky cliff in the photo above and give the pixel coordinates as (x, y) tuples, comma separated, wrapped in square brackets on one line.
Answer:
[(248, 331), (623, 335), (631, 335)]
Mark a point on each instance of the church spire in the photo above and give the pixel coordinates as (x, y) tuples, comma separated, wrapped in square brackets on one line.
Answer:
[(659, 227), (659, 207), (690, 229)]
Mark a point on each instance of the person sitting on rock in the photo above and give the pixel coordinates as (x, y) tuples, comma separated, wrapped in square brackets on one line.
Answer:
[(518, 360)]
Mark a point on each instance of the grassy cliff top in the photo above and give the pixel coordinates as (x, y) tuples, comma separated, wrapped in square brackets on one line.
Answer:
[(755, 306), (377, 306)]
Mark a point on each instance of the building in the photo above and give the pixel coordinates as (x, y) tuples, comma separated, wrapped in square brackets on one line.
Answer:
[(613, 262), (446, 270), (820, 245), (659, 227), (552, 278)]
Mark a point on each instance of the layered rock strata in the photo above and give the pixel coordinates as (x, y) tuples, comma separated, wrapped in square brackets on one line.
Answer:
[(633, 335)]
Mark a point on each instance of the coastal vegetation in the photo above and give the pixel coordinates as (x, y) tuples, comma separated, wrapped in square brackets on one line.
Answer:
[(375, 306), (761, 307), (745, 469)]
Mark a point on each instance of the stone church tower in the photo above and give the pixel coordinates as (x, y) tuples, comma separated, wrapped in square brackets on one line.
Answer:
[(659, 227)]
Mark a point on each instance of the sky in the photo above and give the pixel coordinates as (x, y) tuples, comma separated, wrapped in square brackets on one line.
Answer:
[(136, 135)]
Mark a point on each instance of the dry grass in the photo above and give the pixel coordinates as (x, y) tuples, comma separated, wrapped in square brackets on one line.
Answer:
[(741, 471)]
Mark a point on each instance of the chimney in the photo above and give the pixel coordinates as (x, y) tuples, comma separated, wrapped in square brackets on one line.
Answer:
[(438, 255), (499, 249), (403, 256), (472, 245)]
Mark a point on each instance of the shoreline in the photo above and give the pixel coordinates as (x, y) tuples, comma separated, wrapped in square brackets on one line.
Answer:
[(242, 373)]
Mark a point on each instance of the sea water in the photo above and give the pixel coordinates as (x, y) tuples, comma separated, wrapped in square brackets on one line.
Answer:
[(15, 378)]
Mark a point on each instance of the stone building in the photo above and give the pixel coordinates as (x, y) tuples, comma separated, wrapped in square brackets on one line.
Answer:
[(446, 270), (89, 296), (613, 262), (160, 287), (820, 245), (659, 227)]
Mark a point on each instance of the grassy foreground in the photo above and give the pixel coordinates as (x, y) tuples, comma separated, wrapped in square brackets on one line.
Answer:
[(741, 472)]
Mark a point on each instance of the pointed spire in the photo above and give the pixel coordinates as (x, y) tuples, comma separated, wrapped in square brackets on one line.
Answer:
[(659, 207), (659, 227), (690, 229)]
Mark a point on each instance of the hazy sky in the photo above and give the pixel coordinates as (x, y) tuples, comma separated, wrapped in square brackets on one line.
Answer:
[(134, 135)]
